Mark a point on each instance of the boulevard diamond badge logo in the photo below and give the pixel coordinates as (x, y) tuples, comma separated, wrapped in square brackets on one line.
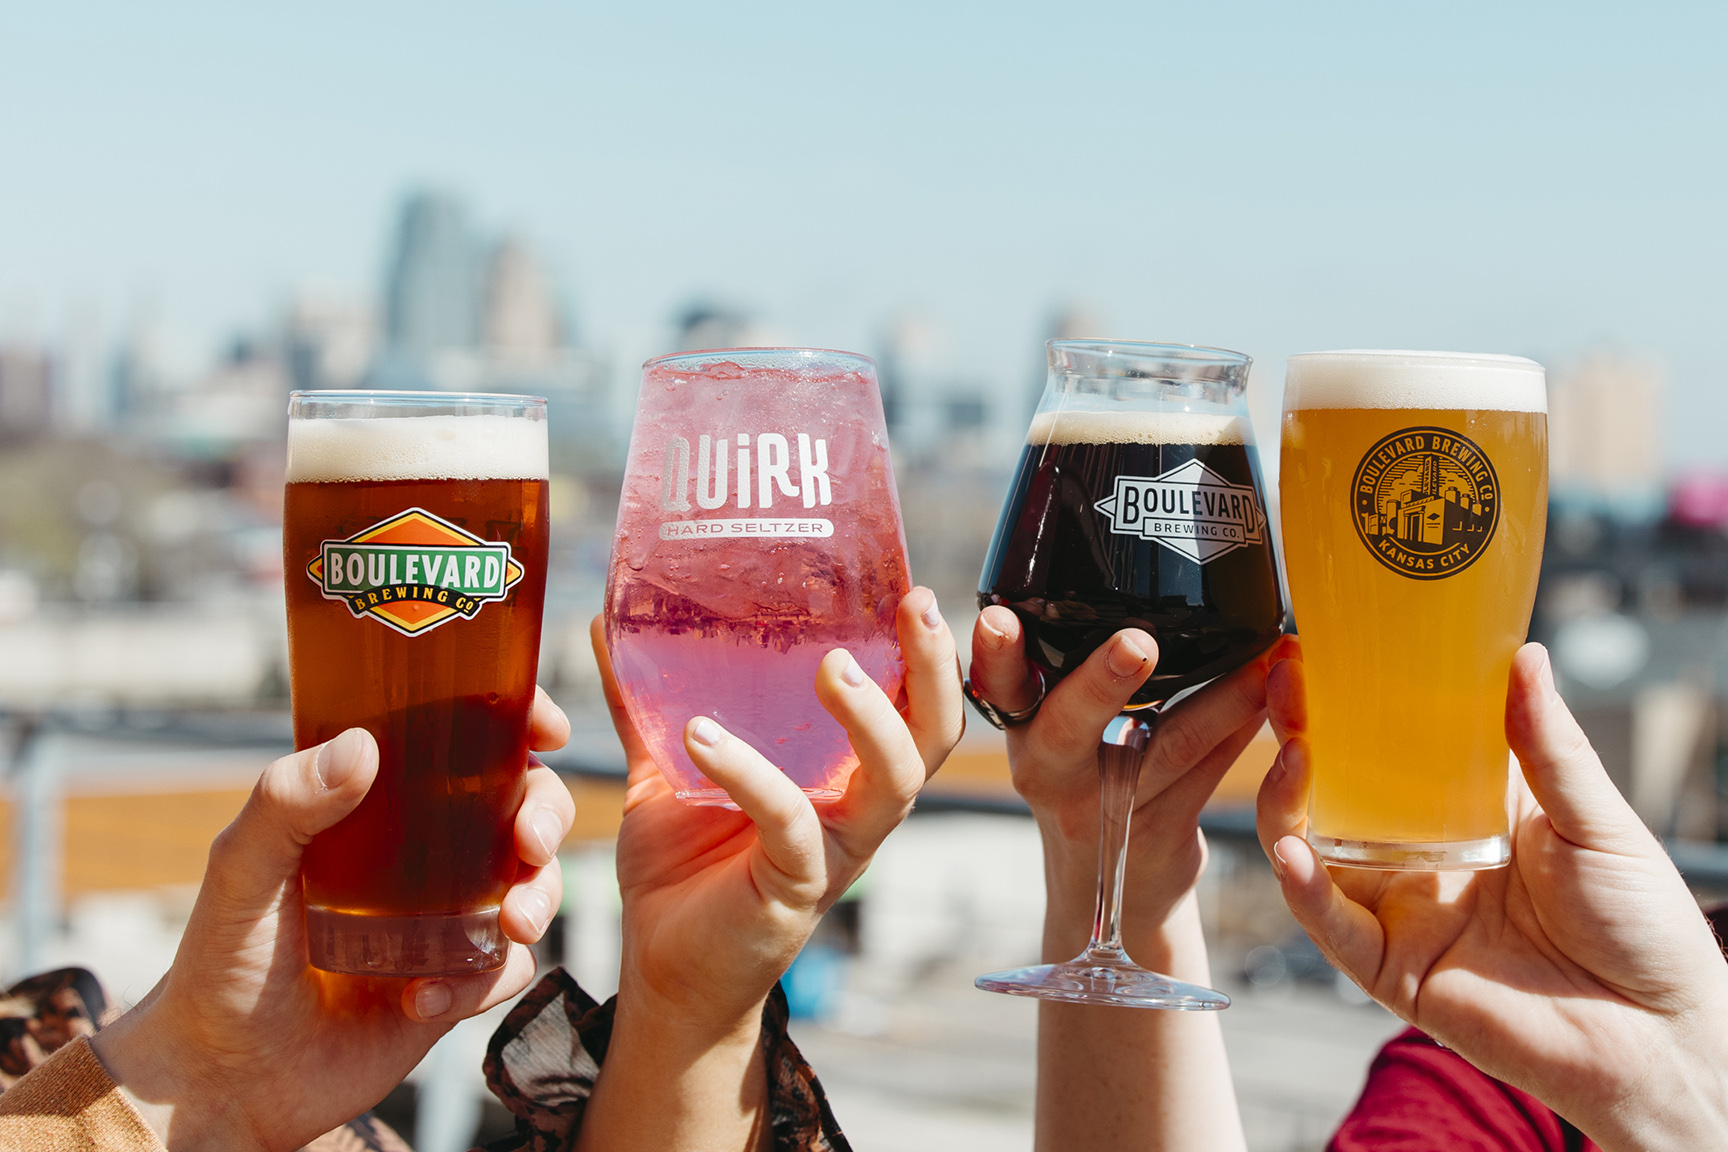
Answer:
[(414, 572), (1427, 502), (1191, 510)]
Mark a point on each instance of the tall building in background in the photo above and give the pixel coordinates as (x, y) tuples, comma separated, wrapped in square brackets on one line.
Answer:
[(1605, 431), (1070, 321), (328, 342), (83, 401), (26, 390), (432, 293), (520, 321), (705, 324)]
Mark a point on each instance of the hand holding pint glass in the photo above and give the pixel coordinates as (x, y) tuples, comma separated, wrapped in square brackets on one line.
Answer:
[(759, 529), (1137, 504), (1415, 492), (415, 536)]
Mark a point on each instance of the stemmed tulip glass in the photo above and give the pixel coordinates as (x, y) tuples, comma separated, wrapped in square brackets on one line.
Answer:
[(1138, 503)]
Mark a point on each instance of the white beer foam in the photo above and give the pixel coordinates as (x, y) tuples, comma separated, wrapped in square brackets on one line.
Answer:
[(1395, 379), (417, 448), (1077, 427)]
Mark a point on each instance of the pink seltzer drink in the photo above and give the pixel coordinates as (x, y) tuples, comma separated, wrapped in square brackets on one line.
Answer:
[(759, 530)]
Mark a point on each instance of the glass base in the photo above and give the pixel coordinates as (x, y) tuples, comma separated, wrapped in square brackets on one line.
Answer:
[(717, 798), (437, 944), (1415, 856), (1122, 984)]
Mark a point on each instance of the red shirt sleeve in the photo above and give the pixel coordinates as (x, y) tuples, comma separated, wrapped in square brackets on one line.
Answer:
[(1422, 1097)]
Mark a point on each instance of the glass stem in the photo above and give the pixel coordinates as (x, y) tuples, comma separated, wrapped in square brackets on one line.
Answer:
[(1119, 759)]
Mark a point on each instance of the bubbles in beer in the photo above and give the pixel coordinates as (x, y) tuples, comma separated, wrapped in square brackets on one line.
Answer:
[(416, 448)]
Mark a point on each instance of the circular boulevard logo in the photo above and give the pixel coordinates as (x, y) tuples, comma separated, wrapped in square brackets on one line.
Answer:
[(1426, 502)]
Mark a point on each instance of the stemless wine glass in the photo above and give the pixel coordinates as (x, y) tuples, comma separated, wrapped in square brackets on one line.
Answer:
[(1138, 503), (759, 530)]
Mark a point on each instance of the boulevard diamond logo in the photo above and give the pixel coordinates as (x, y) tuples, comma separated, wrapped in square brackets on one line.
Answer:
[(414, 572), (1427, 502), (1191, 510)]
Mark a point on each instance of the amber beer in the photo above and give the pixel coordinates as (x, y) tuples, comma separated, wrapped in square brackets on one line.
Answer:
[(414, 536), (1414, 488)]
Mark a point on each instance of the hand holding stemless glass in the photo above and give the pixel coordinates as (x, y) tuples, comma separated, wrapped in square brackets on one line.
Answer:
[(758, 529), (242, 1045), (717, 903), (1583, 972)]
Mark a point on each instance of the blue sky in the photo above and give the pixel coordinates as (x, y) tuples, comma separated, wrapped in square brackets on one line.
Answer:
[(1531, 178)]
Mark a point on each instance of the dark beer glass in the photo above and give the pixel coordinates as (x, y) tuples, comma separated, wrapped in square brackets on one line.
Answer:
[(414, 532), (1138, 503)]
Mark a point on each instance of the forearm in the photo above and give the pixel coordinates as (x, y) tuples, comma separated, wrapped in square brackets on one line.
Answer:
[(1127, 1078), (672, 1085)]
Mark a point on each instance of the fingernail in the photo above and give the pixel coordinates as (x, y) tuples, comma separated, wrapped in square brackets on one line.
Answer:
[(994, 638), (852, 674), (1126, 659), (931, 616), (1279, 864), (562, 715), (338, 759), (537, 906), (433, 1000), (548, 829), (1545, 675), (707, 733)]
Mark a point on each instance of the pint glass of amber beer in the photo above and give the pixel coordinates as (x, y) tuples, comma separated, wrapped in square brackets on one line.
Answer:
[(1415, 491), (414, 534)]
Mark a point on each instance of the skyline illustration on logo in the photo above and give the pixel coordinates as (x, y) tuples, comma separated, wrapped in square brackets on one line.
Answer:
[(1427, 501), (414, 571), (1190, 509)]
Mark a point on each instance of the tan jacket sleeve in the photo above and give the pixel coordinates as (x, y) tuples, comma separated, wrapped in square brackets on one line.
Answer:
[(70, 1104)]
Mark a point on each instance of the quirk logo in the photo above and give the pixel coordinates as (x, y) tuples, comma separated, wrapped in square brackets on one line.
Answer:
[(725, 466)]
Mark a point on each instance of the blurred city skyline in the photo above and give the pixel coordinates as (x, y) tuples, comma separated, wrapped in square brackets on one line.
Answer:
[(1540, 182)]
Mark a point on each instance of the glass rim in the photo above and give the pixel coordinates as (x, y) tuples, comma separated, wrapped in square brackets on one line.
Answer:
[(390, 396), (1149, 349), (717, 355)]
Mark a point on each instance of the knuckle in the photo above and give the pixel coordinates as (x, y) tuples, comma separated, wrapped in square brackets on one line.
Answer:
[(551, 881), (1572, 744), (224, 848), (1181, 745), (1102, 692), (277, 787)]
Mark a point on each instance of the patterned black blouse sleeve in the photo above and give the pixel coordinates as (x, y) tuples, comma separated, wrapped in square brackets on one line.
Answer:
[(544, 1058)]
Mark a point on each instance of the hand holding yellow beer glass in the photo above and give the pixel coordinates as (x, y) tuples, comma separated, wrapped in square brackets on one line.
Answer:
[(1415, 491)]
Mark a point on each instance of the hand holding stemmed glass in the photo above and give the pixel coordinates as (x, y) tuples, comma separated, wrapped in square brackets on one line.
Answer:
[(1138, 505)]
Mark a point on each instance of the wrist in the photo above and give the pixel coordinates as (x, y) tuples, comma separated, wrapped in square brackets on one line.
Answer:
[(158, 1077), (677, 1031), (1157, 907), (671, 1080), (1173, 943), (1681, 1101)]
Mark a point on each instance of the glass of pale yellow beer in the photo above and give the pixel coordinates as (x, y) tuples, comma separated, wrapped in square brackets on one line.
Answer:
[(1414, 488)]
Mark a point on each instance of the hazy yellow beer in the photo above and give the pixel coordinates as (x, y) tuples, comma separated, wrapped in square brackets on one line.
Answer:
[(1414, 488)]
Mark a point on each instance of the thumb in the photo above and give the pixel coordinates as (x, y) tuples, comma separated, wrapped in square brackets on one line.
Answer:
[(1564, 773), (296, 798)]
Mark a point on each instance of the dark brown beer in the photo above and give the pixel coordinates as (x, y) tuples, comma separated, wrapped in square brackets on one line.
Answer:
[(1144, 520), (414, 612)]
